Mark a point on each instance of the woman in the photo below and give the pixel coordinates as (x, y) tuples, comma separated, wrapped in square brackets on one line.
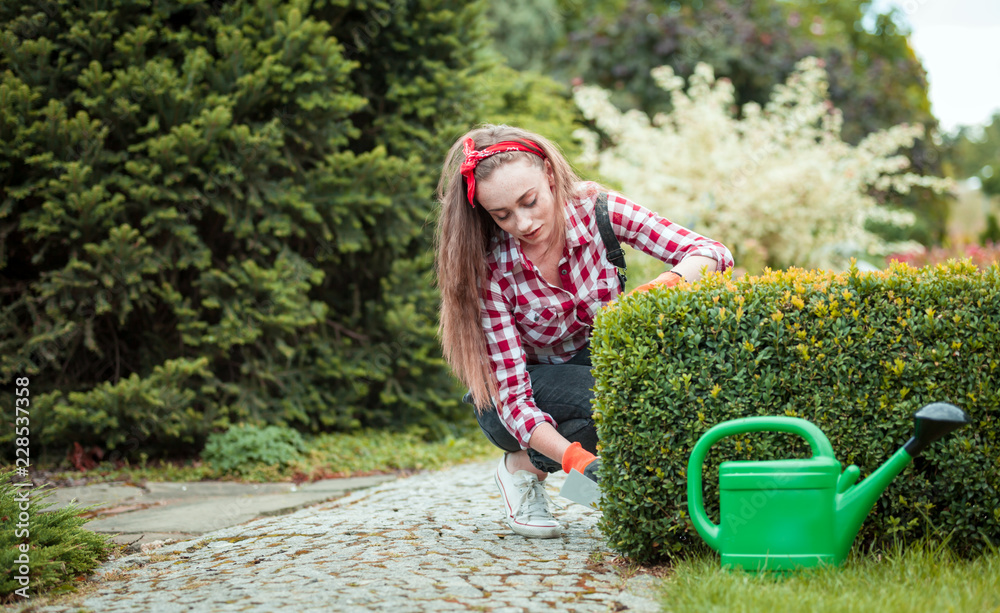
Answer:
[(522, 271)]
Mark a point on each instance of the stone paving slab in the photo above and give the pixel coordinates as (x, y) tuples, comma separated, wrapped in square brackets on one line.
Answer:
[(180, 511), (101, 494), (110, 494), (431, 542)]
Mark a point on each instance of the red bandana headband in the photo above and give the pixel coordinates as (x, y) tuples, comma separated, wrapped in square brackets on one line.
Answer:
[(473, 157)]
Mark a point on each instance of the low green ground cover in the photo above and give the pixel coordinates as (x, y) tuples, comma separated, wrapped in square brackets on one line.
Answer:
[(51, 550), (925, 577)]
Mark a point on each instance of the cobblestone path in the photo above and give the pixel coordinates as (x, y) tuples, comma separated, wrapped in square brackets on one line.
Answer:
[(431, 542)]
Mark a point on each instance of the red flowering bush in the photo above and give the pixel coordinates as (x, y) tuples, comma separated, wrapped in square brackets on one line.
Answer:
[(982, 256)]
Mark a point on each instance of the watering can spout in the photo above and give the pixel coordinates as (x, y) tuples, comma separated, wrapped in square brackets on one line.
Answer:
[(933, 422), (853, 503)]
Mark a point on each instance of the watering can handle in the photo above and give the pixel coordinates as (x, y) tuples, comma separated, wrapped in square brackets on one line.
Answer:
[(793, 425)]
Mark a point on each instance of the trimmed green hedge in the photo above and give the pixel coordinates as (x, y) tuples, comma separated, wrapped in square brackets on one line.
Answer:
[(855, 353)]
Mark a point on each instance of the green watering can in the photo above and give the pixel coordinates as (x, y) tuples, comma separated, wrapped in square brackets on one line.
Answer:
[(787, 514)]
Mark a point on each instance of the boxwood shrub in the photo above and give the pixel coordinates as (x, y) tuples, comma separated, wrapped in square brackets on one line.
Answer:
[(855, 353)]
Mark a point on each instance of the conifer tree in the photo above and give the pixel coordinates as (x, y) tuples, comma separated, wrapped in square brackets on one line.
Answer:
[(215, 211)]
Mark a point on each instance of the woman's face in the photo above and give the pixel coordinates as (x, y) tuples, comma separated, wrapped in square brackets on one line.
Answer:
[(519, 196)]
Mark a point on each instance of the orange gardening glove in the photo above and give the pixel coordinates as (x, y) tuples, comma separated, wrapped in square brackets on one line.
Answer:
[(672, 279), (576, 457), (582, 460)]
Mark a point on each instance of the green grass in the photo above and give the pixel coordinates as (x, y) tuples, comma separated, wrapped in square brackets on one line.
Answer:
[(922, 578), (378, 450), (327, 455)]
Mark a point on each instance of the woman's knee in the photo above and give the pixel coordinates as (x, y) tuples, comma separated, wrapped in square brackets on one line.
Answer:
[(495, 431)]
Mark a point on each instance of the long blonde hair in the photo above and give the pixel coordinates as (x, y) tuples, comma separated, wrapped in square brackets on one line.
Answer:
[(463, 239)]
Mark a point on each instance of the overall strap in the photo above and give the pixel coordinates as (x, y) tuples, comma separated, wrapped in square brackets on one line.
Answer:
[(616, 255)]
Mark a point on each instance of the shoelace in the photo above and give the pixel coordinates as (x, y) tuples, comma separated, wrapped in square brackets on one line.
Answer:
[(534, 501)]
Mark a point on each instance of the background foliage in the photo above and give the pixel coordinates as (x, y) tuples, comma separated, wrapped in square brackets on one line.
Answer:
[(218, 211), (534, 102), (856, 354), (776, 184), (874, 76), (975, 152)]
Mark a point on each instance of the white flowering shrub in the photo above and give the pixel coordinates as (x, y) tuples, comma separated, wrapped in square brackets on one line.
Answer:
[(778, 185)]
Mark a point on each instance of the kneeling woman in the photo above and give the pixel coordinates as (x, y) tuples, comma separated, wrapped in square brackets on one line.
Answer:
[(522, 271)]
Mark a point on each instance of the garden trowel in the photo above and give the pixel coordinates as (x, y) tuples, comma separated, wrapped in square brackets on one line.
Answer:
[(581, 490)]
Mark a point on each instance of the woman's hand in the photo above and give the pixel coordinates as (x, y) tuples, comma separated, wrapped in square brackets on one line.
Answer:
[(693, 266), (667, 279), (689, 270), (546, 440)]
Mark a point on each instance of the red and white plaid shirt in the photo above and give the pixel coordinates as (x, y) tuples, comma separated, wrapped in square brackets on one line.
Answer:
[(529, 321)]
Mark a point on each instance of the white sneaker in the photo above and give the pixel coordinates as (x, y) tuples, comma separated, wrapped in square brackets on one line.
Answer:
[(526, 503)]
